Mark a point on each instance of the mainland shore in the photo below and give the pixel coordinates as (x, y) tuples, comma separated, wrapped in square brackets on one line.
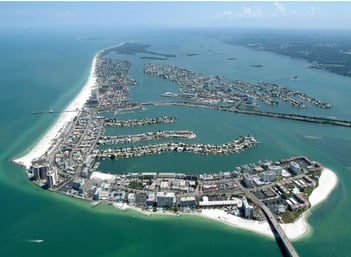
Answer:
[(77, 103)]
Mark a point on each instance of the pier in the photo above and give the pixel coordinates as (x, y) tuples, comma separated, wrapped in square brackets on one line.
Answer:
[(53, 111)]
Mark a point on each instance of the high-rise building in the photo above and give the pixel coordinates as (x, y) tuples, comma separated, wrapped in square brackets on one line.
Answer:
[(40, 168), (247, 209), (51, 178), (165, 200)]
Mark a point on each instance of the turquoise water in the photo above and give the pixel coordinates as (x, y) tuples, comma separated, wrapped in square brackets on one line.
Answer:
[(42, 70)]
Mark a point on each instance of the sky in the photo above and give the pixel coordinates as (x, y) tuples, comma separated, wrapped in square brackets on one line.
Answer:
[(281, 14)]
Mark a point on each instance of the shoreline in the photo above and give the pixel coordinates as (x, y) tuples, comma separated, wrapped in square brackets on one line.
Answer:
[(294, 231), (77, 103), (300, 228)]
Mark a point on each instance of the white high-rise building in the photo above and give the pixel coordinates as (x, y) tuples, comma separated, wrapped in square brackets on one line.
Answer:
[(247, 209), (51, 178)]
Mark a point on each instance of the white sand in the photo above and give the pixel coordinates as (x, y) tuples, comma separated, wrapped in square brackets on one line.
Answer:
[(77, 103), (220, 215), (299, 228)]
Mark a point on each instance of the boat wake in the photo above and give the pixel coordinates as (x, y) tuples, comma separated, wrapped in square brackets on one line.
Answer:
[(311, 137), (35, 241)]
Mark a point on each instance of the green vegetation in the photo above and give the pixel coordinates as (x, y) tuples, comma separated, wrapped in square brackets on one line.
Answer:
[(290, 186), (290, 216), (129, 48), (330, 52), (278, 178), (308, 191), (136, 185)]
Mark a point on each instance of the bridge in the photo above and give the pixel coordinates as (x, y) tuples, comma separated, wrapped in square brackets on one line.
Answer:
[(283, 241)]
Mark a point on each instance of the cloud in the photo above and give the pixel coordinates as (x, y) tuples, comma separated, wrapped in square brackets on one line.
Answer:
[(279, 7), (223, 15), (251, 12)]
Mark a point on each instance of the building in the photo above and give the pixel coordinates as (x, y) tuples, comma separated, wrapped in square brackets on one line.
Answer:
[(164, 186), (248, 180), (268, 176), (187, 202), (165, 200), (233, 202), (247, 209), (131, 199), (166, 175), (150, 199), (51, 178), (85, 172), (295, 168), (40, 168), (277, 169), (77, 184), (118, 196), (97, 193), (251, 99)]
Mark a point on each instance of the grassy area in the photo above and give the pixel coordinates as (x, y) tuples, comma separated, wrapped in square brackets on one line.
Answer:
[(290, 216)]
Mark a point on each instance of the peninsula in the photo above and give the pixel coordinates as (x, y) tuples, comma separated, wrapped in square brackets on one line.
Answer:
[(66, 159)]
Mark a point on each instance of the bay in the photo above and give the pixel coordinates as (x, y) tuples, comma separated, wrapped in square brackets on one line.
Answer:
[(43, 70)]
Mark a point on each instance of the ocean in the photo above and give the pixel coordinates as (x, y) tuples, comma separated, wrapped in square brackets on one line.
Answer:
[(43, 70)]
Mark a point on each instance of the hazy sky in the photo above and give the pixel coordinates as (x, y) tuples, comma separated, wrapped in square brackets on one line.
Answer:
[(178, 14)]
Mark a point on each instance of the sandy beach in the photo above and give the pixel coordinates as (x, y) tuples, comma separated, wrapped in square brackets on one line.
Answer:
[(78, 102), (296, 230)]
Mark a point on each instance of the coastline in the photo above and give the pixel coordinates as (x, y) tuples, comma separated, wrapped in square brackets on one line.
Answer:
[(296, 230), (77, 103), (300, 228)]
